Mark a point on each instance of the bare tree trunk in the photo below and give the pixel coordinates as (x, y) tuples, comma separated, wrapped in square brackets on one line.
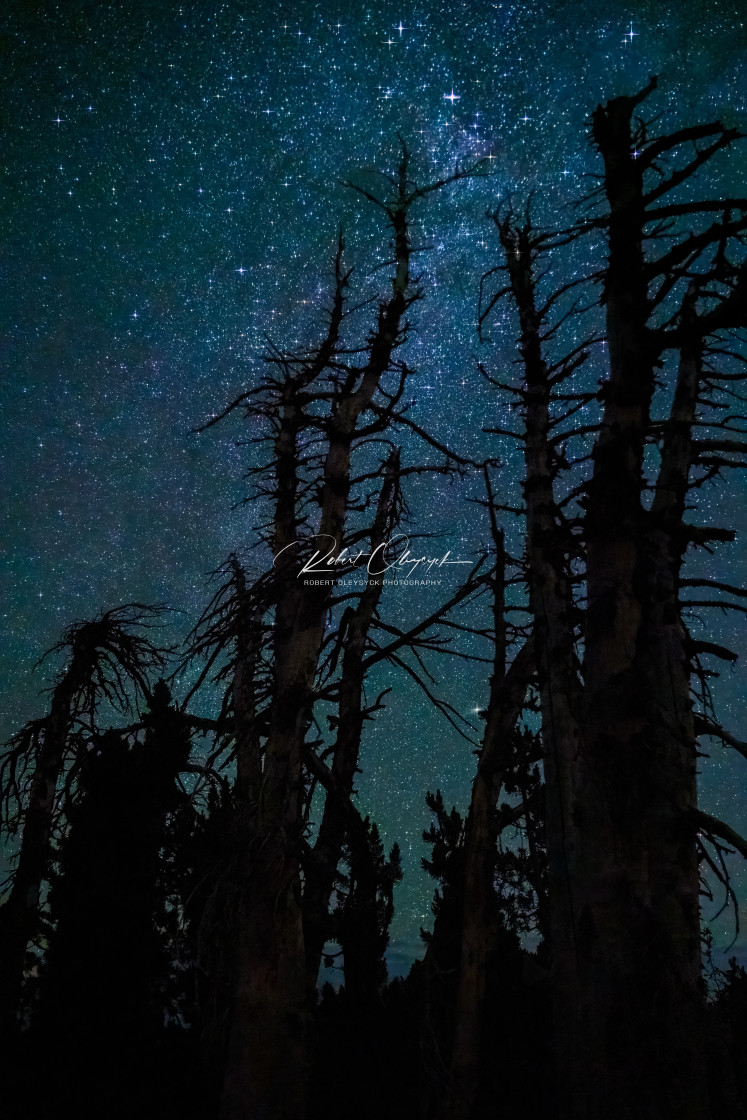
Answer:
[(618, 732), (321, 866), (637, 884), (265, 1074), (479, 917), (674, 952), (551, 603)]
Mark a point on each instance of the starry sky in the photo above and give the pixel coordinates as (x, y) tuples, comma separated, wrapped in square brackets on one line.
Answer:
[(171, 196)]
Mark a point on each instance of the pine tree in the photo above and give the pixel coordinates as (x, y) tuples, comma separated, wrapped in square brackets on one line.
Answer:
[(103, 998)]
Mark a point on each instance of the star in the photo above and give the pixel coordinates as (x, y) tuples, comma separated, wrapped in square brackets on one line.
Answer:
[(135, 231)]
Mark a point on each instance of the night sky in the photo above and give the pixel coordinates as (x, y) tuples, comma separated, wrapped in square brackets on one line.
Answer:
[(172, 195)]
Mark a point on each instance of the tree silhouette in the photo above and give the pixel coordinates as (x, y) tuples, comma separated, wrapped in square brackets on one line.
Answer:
[(322, 414), (618, 725), (105, 983), (364, 910), (105, 658), (479, 918), (507, 1024)]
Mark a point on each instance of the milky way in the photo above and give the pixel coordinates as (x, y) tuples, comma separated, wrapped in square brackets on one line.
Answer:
[(172, 197)]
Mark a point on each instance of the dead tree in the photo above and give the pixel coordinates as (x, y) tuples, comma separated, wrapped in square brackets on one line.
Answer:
[(320, 411), (508, 688), (320, 865), (106, 657), (618, 726)]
